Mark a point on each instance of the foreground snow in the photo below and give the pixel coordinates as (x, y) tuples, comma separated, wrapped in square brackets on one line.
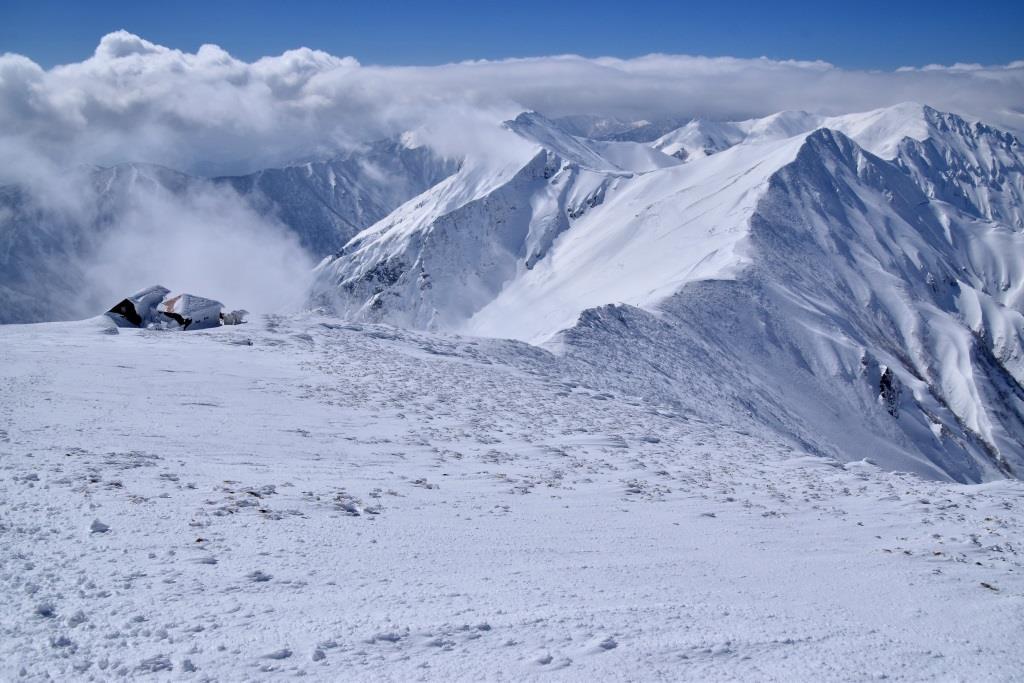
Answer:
[(303, 496)]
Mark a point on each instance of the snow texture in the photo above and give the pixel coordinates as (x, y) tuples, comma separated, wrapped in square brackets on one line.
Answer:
[(415, 506)]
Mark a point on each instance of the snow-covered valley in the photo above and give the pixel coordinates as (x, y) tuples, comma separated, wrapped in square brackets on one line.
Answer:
[(303, 495)]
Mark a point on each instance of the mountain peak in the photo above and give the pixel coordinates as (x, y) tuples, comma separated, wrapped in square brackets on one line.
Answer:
[(881, 131), (540, 130)]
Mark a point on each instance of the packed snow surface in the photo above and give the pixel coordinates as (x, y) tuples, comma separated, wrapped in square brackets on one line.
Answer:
[(306, 496)]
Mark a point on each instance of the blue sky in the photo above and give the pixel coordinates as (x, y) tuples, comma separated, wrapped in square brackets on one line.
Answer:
[(853, 34)]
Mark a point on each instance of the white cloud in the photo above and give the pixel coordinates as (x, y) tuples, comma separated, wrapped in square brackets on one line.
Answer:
[(206, 241), (209, 112)]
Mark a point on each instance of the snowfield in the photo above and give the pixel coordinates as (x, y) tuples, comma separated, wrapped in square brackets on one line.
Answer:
[(306, 496)]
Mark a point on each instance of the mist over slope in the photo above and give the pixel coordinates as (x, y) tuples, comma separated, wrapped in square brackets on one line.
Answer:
[(74, 242)]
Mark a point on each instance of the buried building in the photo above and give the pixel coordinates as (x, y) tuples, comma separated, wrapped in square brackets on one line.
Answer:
[(129, 311), (191, 311), (156, 307)]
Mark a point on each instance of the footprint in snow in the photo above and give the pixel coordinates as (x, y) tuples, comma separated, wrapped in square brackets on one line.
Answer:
[(46, 610), (155, 664)]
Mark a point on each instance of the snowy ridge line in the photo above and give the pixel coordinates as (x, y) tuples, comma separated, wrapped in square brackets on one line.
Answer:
[(897, 280)]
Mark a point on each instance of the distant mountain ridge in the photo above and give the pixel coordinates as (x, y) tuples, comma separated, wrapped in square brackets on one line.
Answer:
[(854, 281), (326, 203), (852, 284)]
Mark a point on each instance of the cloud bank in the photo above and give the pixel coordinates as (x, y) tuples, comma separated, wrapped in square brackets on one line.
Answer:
[(210, 113)]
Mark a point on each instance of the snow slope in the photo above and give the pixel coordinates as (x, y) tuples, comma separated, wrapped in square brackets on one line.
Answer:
[(896, 279), (326, 203), (411, 505), (661, 231)]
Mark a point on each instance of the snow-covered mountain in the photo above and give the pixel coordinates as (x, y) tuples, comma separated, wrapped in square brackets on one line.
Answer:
[(438, 260), (617, 129), (838, 281), (49, 233), (326, 203), (852, 283), (700, 138)]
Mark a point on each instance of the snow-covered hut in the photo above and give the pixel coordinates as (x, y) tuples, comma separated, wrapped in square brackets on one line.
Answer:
[(156, 307), (138, 309), (192, 312)]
